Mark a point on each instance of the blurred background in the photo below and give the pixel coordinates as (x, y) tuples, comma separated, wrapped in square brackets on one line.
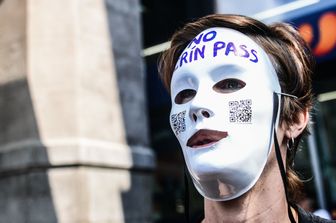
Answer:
[(84, 128)]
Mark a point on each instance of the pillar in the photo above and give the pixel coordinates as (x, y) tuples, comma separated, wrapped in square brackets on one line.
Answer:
[(73, 136)]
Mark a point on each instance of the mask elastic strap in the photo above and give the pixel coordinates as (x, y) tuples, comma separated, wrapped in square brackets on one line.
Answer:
[(278, 156), (285, 94), (186, 195)]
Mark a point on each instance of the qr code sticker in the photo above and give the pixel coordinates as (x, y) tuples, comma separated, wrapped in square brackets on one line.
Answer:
[(241, 111), (178, 122)]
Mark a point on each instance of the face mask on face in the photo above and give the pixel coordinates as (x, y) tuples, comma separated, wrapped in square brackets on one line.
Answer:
[(222, 111)]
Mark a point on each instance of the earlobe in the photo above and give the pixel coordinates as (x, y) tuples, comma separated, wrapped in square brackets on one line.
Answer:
[(296, 129)]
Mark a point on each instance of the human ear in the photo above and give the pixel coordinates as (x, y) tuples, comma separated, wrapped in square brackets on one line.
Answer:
[(296, 128)]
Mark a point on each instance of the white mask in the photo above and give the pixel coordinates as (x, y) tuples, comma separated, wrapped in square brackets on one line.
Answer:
[(222, 111)]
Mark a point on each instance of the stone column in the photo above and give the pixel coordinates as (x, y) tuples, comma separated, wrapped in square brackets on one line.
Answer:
[(73, 136)]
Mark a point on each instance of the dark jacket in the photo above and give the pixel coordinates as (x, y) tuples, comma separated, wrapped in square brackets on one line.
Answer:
[(307, 217)]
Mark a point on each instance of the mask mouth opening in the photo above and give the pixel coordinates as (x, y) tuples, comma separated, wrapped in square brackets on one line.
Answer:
[(205, 138)]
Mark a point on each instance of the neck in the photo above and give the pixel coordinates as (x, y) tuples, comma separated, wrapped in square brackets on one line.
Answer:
[(265, 202), (247, 209)]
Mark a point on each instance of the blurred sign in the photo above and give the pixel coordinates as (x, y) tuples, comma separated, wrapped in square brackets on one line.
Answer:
[(319, 30)]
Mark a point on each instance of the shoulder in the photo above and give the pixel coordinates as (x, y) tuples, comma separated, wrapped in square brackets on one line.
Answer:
[(307, 217)]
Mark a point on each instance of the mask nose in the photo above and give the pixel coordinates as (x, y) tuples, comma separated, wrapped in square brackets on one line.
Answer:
[(201, 106), (200, 113)]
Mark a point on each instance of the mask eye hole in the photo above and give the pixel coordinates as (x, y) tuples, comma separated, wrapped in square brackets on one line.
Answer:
[(229, 85), (185, 96)]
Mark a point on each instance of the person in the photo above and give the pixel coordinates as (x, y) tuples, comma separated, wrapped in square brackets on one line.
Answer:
[(241, 97)]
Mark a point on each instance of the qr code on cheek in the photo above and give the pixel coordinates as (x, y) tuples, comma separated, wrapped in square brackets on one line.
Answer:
[(241, 111), (178, 122)]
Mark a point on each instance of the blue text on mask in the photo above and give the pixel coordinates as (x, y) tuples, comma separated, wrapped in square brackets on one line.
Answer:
[(196, 51)]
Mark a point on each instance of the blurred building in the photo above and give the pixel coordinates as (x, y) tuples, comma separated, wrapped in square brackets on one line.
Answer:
[(74, 143)]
